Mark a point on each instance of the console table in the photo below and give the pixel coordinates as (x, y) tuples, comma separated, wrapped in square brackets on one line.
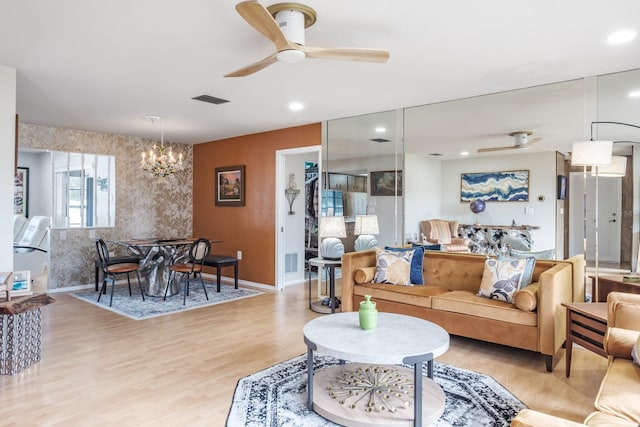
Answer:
[(496, 239), (21, 332), (611, 283)]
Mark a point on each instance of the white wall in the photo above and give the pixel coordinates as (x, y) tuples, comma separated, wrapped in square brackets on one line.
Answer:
[(542, 182), (423, 192), (39, 164), (7, 163)]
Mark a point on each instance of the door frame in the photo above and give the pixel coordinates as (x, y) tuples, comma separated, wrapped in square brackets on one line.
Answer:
[(282, 207)]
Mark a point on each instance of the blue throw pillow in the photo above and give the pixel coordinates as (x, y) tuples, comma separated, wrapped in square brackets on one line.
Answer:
[(527, 274), (415, 275), (427, 247)]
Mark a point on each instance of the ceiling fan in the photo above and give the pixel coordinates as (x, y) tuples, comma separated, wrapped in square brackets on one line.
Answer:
[(520, 140), (284, 24)]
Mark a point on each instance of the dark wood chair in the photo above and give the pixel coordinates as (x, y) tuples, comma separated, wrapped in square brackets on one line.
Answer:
[(111, 270), (220, 261), (192, 267), (121, 259)]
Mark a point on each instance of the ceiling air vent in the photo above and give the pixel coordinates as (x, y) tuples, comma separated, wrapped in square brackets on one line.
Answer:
[(210, 99), (380, 140), (435, 154)]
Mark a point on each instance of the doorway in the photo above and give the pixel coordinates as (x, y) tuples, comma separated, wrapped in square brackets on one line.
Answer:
[(290, 219), (614, 248)]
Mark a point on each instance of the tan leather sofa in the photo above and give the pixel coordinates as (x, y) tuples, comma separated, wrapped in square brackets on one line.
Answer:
[(618, 401), (448, 298)]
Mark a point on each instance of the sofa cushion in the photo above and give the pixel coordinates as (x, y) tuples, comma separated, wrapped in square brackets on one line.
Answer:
[(527, 299), (393, 267), (501, 279), (364, 275), (548, 254), (620, 389), (415, 274), (601, 419), (635, 352), (420, 296), (527, 274), (464, 302)]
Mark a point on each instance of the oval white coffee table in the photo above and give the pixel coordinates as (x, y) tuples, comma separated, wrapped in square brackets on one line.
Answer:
[(362, 395)]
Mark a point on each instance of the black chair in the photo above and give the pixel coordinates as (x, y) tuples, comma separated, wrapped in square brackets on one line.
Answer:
[(192, 267), (220, 261), (122, 259), (111, 270)]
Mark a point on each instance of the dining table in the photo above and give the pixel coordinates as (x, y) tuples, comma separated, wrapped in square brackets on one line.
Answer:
[(156, 256)]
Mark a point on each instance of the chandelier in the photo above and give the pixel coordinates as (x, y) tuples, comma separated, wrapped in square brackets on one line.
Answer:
[(160, 160)]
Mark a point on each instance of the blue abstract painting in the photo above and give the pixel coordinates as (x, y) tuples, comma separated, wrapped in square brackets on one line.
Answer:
[(509, 186)]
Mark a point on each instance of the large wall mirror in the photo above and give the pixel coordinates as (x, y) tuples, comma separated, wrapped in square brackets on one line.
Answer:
[(364, 164), (438, 143)]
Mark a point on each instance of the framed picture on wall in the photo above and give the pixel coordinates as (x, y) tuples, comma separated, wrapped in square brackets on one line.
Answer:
[(230, 186), (386, 183), (504, 186), (21, 192), (562, 187), (21, 283)]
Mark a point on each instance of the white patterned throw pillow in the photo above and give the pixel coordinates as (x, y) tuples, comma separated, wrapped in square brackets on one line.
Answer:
[(501, 278), (393, 267)]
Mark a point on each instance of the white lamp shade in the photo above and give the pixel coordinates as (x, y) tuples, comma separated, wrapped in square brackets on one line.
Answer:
[(617, 168), (332, 226), (591, 153), (366, 224)]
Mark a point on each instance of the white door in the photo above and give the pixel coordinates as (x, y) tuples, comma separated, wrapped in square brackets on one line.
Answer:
[(609, 211)]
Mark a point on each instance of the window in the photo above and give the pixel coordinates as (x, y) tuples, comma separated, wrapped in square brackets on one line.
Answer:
[(83, 190)]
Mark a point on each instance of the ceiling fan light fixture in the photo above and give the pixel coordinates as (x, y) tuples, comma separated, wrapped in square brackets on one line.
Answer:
[(290, 56), (291, 23)]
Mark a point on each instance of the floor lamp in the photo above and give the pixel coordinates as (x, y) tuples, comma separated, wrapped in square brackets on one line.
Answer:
[(593, 154)]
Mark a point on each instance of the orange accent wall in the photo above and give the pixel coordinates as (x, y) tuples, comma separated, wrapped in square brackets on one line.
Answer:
[(249, 228)]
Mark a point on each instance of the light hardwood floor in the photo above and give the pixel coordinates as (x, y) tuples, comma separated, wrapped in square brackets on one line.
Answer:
[(102, 369)]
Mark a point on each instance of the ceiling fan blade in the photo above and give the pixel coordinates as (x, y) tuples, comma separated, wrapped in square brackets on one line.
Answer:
[(256, 66), (534, 140), (259, 18), (346, 54), (487, 150)]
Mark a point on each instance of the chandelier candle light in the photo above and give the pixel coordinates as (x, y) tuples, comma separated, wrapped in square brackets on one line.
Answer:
[(160, 161)]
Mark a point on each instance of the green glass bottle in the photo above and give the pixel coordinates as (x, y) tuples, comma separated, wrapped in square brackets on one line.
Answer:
[(368, 313)]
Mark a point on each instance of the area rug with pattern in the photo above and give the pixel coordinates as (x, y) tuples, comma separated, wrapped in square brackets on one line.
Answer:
[(134, 308), (276, 397)]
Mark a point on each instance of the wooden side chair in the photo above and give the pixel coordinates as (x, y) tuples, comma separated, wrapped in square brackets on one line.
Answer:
[(192, 267), (110, 271)]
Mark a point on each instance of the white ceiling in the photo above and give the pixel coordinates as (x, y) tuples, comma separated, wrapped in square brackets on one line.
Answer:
[(103, 66)]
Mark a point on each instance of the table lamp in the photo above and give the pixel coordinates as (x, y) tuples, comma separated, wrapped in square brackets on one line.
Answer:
[(331, 229), (366, 228)]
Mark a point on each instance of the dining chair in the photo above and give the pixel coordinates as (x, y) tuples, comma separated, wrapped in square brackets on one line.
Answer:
[(110, 271), (192, 267)]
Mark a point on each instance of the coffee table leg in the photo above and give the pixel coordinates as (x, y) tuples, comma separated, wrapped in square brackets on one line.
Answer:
[(417, 394), (310, 378)]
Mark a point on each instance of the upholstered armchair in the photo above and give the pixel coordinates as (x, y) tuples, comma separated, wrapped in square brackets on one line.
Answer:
[(30, 252), (444, 233)]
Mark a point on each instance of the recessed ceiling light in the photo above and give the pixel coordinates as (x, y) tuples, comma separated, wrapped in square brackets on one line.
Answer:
[(296, 106), (634, 94), (381, 129), (464, 153), (621, 36)]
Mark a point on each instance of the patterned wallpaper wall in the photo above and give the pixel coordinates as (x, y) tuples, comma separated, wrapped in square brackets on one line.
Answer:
[(145, 206)]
